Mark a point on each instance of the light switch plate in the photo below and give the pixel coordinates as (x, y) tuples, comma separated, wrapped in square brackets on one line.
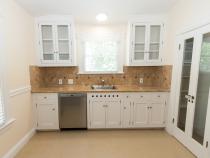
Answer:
[(141, 80), (60, 81), (70, 81)]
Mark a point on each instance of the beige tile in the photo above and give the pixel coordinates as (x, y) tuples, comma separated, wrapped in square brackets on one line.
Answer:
[(104, 144)]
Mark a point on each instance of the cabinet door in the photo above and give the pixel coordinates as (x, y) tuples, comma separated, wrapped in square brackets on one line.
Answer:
[(139, 42), (140, 112), (47, 43), (155, 43), (97, 114), (157, 115), (113, 114), (127, 114), (47, 117), (63, 41)]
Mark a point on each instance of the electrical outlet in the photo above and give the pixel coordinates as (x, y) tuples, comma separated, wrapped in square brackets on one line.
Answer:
[(141, 80), (60, 81), (70, 81)]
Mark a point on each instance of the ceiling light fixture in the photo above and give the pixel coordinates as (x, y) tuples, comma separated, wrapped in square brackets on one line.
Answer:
[(101, 17)]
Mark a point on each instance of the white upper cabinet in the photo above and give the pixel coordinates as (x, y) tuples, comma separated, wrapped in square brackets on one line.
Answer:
[(55, 41), (145, 43)]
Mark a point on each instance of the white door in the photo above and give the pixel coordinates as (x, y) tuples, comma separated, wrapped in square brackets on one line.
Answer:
[(127, 114), (47, 43), (192, 127), (97, 114), (47, 116), (140, 114), (186, 49), (64, 44), (113, 114), (157, 115)]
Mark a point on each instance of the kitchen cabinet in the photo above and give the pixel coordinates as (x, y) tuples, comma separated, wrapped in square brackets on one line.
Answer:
[(46, 111), (146, 110), (55, 38), (145, 43), (104, 110), (128, 110)]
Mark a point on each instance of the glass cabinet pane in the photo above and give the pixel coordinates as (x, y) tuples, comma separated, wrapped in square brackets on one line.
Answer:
[(63, 42), (47, 42), (154, 42), (139, 45), (47, 32), (185, 81), (202, 91), (63, 32)]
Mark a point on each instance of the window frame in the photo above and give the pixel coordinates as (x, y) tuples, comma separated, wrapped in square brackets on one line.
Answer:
[(81, 56)]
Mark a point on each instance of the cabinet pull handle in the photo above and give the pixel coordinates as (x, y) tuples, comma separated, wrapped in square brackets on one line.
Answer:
[(53, 109)]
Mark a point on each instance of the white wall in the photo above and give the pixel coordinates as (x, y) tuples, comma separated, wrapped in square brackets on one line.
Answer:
[(18, 49), (183, 16)]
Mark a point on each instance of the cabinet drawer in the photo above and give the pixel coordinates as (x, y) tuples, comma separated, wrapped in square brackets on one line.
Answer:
[(142, 97), (47, 98), (158, 98)]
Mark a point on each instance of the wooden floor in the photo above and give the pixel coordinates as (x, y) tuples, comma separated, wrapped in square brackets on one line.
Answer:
[(104, 144)]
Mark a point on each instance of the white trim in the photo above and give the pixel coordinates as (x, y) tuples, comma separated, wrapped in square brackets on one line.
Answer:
[(19, 91), (20, 144), (6, 124)]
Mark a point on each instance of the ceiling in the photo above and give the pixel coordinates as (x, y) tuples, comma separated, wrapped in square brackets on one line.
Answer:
[(86, 10)]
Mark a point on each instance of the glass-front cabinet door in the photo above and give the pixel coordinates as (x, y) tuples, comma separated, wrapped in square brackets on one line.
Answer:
[(63, 43), (139, 42), (146, 44), (55, 41), (154, 42), (47, 43)]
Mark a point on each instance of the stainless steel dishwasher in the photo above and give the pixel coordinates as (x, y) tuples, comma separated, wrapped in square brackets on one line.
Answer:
[(73, 111)]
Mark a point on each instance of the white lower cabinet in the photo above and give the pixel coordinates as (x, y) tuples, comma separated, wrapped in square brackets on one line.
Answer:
[(127, 110), (46, 111)]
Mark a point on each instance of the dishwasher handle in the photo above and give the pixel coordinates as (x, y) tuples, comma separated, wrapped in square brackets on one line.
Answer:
[(71, 95)]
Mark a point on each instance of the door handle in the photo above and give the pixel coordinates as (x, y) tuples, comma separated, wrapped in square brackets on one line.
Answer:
[(188, 96)]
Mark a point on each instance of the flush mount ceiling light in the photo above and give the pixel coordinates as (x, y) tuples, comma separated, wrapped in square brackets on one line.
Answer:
[(101, 17)]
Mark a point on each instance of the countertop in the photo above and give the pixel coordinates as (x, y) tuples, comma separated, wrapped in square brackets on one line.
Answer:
[(87, 89)]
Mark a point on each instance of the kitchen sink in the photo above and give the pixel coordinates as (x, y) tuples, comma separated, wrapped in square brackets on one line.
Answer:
[(106, 87)]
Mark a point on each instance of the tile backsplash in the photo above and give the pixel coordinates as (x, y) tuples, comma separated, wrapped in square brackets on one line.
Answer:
[(155, 76)]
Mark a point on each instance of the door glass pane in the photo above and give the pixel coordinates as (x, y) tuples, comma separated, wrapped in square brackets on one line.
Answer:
[(63, 42), (185, 80), (139, 47), (202, 91), (154, 42)]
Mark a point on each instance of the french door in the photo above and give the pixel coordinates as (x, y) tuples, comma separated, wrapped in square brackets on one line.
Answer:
[(192, 113)]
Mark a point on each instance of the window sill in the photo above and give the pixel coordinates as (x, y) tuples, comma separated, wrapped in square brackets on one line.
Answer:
[(5, 125)]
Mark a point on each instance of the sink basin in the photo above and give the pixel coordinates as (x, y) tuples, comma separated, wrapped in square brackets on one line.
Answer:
[(106, 87)]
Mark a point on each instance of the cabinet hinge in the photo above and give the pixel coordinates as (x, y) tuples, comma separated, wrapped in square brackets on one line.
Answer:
[(207, 144), (165, 103), (173, 120), (179, 46)]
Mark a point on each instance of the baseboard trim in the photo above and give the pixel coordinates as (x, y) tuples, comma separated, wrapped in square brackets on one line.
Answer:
[(20, 144), (19, 91)]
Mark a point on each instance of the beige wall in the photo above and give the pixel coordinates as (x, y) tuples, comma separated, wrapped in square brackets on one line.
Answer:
[(186, 14), (18, 42)]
